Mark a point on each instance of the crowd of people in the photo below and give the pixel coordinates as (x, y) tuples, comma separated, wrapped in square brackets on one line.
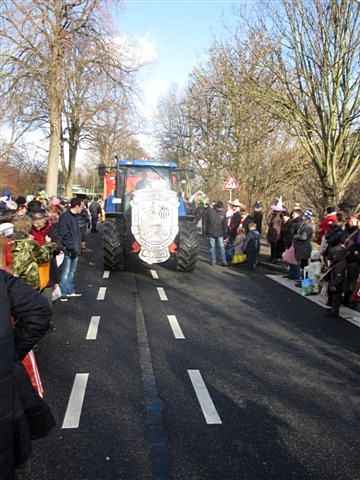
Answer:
[(321, 257), (41, 240)]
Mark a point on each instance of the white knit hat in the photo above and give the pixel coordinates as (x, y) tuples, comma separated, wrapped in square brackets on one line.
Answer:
[(6, 229)]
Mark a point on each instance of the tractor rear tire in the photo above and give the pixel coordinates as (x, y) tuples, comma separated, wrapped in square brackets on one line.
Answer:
[(188, 247), (114, 258)]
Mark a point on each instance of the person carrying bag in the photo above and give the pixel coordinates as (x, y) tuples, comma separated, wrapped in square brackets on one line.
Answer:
[(24, 320)]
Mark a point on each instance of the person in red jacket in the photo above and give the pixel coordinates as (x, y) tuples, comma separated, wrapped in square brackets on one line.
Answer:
[(326, 223), (40, 227)]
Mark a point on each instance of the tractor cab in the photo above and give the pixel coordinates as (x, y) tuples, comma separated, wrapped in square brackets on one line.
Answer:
[(146, 214), (123, 183)]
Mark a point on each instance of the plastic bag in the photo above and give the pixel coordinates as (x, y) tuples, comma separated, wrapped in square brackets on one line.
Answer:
[(307, 286), (44, 274), (32, 370), (239, 258), (289, 256), (356, 295)]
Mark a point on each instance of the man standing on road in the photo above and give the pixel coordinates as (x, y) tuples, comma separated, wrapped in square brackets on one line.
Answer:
[(215, 229), (95, 212), (70, 237)]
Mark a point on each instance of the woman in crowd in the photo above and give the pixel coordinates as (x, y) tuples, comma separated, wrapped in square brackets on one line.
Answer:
[(275, 225), (302, 242)]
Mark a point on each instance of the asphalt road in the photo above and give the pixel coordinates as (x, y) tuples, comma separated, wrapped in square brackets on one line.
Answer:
[(263, 386)]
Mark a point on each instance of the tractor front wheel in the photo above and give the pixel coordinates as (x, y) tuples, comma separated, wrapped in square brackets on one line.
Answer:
[(113, 247), (188, 247)]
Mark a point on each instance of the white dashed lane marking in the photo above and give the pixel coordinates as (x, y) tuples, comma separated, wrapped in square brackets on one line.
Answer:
[(101, 294), (154, 274), (106, 274), (178, 334), (93, 328), (162, 294), (76, 400), (207, 405)]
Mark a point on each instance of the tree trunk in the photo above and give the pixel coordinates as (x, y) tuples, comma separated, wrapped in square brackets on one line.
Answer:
[(73, 148), (55, 147), (55, 98)]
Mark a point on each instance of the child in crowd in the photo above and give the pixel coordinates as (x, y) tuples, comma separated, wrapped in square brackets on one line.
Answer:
[(40, 227), (239, 246), (27, 255), (252, 246)]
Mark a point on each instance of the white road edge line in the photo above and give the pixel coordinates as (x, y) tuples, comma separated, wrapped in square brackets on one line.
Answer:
[(174, 324), (346, 313), (93, 328), (162, 294), (101, 294), (76, 400), (154, 274), (207, 405), (106, 274)]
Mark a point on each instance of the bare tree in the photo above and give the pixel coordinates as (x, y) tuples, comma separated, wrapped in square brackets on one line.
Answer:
[(313, 51), (35, 37), (94, 71)]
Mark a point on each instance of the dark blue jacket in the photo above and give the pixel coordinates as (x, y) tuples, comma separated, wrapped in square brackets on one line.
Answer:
[(31, 313), (69, 233)]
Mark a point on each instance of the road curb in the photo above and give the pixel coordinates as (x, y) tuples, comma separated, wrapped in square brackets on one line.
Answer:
[(273, 266)]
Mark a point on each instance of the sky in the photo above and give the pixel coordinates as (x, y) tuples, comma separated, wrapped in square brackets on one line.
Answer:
[(172, 36)]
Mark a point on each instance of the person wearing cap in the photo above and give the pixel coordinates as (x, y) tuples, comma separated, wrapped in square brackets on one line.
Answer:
[(275, 227), (215, 229), (302, 242), (258, 216), (21, 206), (326, 223), (236, 218)]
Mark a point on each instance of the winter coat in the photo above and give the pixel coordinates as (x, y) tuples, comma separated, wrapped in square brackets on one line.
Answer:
[(40, 235), (26, 258), (302, 242), (257, 217), (289, 230), (95, 209), (215, 222), (252, 243), (234, 224), (84, 219), (325, 225), (335, 236), (55, 237), (32, 314), (69, 233), (275, 228)]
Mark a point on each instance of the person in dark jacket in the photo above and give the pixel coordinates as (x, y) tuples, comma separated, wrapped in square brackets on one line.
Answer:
[(215, 229), (302, 242), (252, 246), (257, 216), (95, 212), (31, 314), (70, 236), (84, 224)]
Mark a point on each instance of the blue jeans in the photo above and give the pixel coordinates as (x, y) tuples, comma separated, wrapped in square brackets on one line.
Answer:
[(214, 244), (67, 282)]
